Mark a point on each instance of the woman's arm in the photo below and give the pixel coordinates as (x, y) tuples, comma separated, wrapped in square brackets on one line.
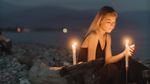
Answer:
[(92, 43), (109, 58), (112, 59)]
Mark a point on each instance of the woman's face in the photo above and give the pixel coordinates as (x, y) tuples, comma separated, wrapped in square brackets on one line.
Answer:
[(108, 22)]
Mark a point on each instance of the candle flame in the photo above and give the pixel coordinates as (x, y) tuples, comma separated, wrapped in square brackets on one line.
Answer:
[(127, 42), (74, 45)]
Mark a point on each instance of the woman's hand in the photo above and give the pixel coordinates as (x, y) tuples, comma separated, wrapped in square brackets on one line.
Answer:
[(129, 50), (80, 62)]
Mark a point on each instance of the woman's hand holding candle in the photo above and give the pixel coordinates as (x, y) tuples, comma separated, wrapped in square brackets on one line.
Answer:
[(129, 49)]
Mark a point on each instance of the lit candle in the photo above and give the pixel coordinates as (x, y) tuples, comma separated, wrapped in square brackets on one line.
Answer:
[(126, 57), (74, 52), (126, 60)]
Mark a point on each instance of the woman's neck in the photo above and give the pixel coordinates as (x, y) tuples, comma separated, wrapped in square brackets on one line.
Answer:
[(101, 32)]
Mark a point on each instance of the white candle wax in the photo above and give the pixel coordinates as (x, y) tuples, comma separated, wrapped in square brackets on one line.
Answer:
[(74, 53), (126, 57)]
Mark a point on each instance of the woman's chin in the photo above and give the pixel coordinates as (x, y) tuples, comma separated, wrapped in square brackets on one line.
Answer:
[(108, 31)]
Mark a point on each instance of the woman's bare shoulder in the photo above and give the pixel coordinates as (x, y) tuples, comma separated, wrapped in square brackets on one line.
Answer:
[(91, 37)]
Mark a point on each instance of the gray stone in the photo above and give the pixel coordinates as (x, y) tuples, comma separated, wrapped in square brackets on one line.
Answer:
[(40, 73)]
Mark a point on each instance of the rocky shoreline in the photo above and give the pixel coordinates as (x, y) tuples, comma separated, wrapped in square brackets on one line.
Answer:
[(26, 58), (14, 68)]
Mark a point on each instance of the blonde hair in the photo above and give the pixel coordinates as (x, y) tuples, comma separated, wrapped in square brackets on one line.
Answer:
[(99, 16)]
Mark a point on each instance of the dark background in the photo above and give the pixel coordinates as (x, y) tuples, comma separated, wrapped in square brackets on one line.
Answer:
[(45, 19)]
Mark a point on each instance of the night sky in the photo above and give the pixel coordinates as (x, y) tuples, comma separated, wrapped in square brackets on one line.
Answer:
[(134, 18), (126, 5)]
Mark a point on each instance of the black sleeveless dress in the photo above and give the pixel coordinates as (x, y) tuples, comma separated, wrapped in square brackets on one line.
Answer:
[(83, 53), (104, 72)]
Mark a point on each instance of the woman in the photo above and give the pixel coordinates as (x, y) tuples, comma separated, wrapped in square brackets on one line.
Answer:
[(97, 45)]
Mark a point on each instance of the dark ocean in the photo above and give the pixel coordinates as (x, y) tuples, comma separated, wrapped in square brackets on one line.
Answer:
[(60, 39)]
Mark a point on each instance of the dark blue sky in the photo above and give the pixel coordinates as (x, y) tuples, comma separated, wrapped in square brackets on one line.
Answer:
[(134, 17), (125, 5)]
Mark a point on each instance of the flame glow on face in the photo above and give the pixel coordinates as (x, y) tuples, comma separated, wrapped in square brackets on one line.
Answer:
[(108, 23)]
